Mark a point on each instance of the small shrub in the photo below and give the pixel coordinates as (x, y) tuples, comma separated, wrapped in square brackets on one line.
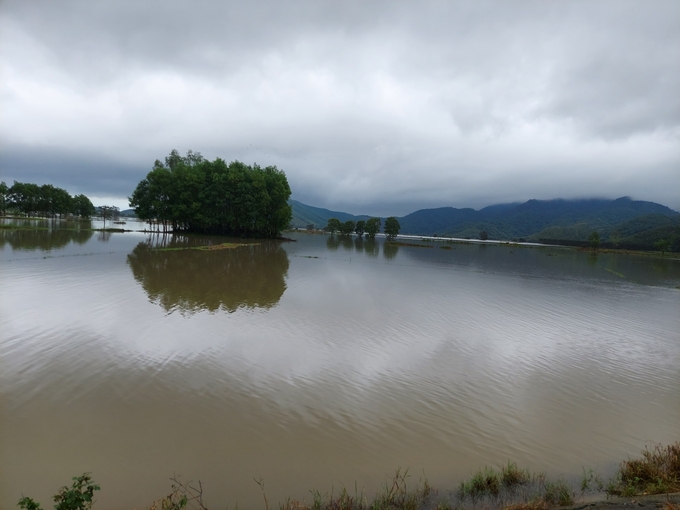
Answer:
[(484, 482), (657, 472), (78, 497)]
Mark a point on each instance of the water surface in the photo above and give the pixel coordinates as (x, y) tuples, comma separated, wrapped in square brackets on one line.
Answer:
[(322, 362)]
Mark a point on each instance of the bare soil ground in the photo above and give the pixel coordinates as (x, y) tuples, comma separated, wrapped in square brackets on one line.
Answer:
[(617, 503)]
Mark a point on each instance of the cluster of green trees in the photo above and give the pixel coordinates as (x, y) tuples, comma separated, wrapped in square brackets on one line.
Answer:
[(46, 200), (369, 227), (193, 194)]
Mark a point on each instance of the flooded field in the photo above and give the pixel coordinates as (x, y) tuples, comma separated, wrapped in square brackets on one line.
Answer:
[(323, 362)]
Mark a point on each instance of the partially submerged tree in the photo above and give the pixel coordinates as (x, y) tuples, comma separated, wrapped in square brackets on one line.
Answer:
[(347, 227), (372, 227), (360, 228), (333, 225), (392, 227), (83, 207), (108, 212)]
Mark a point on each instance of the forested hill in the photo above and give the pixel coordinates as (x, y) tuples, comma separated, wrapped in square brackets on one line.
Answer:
[(622, 221), (304, 215), (535, 218)]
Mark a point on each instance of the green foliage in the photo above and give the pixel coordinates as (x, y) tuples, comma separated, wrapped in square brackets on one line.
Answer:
[(83, 207), (392, 227), (662, 245), (77, 497), (45, 200), (193, 194), (360, 228), (347, 227), (372, 227), (485, 482), (333, 225), (484, 235), (511, 476), (3, 197), (594, 240)]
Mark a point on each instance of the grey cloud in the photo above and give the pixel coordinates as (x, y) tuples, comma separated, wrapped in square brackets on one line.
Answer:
[(364, 105), (75, 171)]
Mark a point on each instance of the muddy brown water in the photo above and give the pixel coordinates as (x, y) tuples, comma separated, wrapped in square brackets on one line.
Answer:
[(321, 363)]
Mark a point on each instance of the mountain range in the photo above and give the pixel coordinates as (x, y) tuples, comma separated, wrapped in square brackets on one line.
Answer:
[(622, 222)]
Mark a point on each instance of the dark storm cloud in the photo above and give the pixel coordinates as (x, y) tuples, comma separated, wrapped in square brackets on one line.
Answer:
[(76, 171), (376, 107)]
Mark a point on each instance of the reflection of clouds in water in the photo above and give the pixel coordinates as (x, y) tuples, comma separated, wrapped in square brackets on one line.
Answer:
[(363, 323), (455, 355)]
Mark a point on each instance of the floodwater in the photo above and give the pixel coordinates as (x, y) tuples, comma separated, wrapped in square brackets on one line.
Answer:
[(322, 363)]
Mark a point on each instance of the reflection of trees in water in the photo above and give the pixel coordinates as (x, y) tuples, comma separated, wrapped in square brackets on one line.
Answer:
[(390, 250), (194, 280), (371, 247), (347, 242), (103, 236), (332, 243), (44, 240), (359, 244)]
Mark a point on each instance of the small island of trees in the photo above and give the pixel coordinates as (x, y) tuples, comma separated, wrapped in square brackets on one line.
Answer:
[(193, 194)]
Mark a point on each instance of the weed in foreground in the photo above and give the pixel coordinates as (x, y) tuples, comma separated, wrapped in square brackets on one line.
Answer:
[(591, 481), (516, 489), (183, 496), (558, 494), (657, 472), (77, 497)]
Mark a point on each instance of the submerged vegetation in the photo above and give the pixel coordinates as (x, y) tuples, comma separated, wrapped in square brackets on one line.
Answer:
[(508, 487)]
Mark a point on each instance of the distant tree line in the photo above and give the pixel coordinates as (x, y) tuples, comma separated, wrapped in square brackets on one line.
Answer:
[(192, 194), (46, 200), (370, 227)]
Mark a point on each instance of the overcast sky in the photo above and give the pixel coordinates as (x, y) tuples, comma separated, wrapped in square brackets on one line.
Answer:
[(369, 107)]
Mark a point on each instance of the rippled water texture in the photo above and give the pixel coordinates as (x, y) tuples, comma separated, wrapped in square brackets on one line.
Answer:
[(322, 362)]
